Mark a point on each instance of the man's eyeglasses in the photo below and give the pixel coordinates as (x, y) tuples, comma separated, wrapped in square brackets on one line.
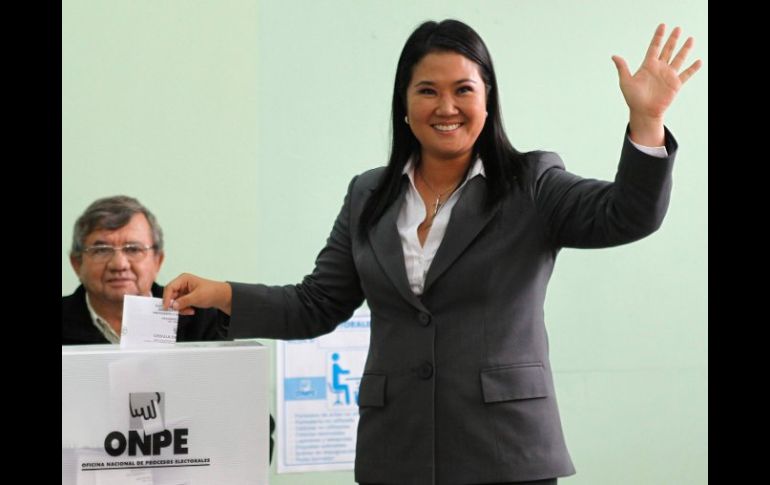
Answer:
[(103, 252)]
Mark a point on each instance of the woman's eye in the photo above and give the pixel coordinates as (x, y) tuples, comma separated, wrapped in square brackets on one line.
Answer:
[(465, 89)]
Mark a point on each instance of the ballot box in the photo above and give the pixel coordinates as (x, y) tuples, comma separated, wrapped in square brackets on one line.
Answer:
[(192, 414)]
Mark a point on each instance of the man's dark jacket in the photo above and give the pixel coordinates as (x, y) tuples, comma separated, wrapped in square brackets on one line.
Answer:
[(78, 328)]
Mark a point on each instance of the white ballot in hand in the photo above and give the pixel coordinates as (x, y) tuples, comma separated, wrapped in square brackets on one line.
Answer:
[(146, 324)]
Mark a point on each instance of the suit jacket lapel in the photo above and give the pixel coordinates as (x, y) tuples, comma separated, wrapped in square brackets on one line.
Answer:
[(386, 244), (467, 220)]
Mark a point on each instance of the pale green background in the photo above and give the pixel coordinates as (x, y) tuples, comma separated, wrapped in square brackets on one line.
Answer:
[(240, 124)]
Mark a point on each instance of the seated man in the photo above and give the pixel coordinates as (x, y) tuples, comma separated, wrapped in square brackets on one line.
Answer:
[(117, 250)]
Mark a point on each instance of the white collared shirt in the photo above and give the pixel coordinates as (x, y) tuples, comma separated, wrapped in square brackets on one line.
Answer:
[(101, 324), (418, 259)]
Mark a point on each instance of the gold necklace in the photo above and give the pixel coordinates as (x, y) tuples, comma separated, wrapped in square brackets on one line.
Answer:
[(438, 204)]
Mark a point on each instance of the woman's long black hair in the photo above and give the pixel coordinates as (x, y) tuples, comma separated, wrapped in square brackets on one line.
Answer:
[(503, 164)]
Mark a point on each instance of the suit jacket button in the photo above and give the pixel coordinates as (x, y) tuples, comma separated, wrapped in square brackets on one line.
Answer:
[(425, 370), (424, 319)]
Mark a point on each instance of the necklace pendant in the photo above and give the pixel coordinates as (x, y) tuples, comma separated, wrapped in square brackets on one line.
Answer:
[(436, 206)]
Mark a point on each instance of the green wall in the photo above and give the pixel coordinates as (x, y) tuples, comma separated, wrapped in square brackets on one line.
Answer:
[(240, 124)]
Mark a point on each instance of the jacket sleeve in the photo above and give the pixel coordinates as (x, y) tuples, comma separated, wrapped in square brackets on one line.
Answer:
[(205, 325), (587, 213), (325, 298)]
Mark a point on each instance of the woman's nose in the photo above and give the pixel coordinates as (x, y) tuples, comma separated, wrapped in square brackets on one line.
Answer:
[(446, 106)]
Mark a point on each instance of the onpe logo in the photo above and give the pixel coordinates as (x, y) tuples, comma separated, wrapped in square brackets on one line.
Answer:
[(147, 434), (146, 406)]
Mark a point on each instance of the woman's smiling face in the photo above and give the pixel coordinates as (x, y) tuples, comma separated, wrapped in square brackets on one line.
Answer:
[(446, 105)]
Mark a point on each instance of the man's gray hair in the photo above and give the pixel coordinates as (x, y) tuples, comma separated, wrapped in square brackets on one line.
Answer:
[(112, 213)]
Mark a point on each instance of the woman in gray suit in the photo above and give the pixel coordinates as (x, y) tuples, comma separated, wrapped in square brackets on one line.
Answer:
[(452, 245)]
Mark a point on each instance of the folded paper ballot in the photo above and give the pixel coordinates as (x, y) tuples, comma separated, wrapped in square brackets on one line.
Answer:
[(146, 324)]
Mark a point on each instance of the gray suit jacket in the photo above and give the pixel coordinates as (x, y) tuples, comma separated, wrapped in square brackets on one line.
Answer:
[(457, 386)]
